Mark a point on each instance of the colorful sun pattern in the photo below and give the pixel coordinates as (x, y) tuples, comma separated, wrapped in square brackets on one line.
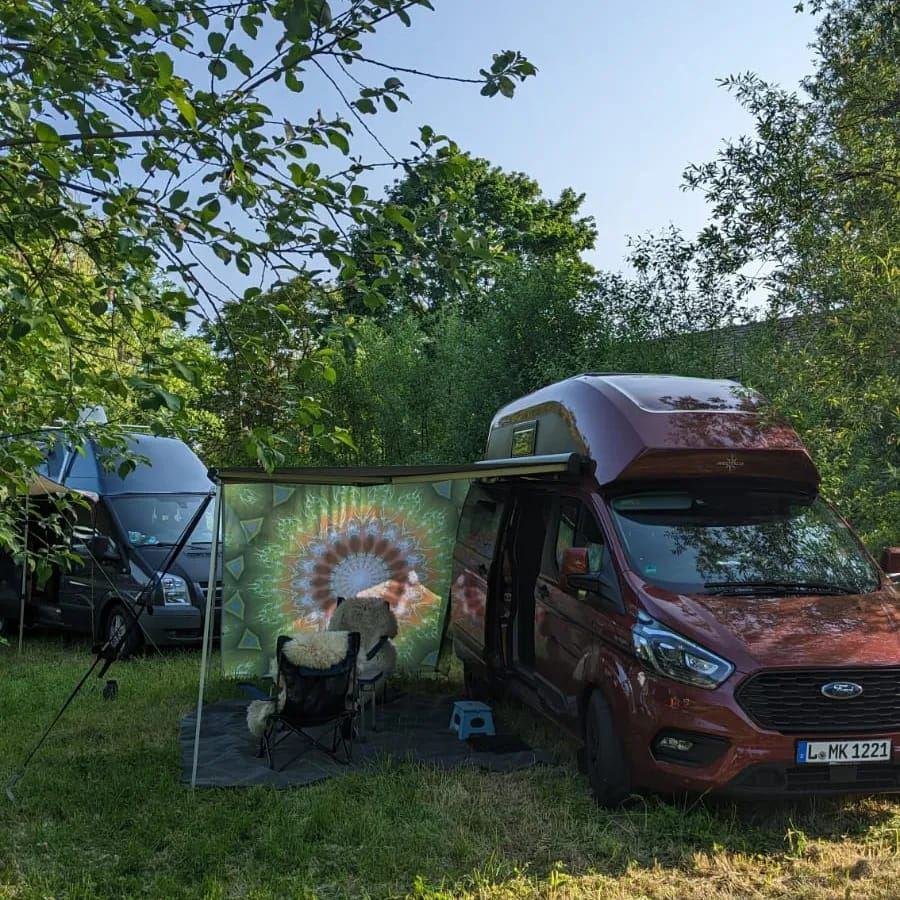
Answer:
[(290, 552)]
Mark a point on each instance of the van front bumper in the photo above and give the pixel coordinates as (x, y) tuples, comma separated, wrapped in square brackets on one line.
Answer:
[(729, 753), (170, 626)]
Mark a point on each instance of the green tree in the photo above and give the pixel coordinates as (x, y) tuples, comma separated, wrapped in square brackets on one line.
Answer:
[(458, 201), (141, 171), (417, 389), (813, 201)]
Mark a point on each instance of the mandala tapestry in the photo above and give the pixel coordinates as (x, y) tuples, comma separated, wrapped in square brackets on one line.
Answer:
[(291, 550)]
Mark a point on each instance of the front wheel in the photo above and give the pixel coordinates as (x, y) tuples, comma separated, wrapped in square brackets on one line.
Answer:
[(118, 631), (607, 768)]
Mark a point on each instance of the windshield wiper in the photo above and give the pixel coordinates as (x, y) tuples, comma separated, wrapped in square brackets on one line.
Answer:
[(766, 588)]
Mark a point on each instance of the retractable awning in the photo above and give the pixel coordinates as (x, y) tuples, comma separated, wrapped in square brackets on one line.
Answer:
[(359, 476), (41, 486)]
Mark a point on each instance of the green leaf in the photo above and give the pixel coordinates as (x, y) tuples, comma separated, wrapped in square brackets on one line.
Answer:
[(394, 214), (240, 59), (218, 69), (216, 41), (210, 211), (295, 55), (297, 21), (164, 68), (177, 199), (340, 141), (357, 194), (186, 108), (46, 134), (147, 17), (185, 372)]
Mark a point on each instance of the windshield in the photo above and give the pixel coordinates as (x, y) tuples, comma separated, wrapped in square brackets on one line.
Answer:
[(714, 540), (161, 518)]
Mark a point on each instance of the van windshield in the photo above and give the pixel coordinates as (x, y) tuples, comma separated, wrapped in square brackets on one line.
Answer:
[(150, 519), (741, 542)]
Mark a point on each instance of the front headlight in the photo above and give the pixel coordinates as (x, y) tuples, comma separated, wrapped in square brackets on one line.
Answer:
[(668, 653), (173, 591)]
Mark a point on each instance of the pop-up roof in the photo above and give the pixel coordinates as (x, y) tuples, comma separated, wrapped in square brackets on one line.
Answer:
[(654, 426)]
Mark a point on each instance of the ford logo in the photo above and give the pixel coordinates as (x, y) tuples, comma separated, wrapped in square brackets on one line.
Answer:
[(841, 690)]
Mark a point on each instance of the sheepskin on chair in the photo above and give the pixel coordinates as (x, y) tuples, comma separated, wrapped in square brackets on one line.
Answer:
[(312, 650), (317, 649), (374, 619)]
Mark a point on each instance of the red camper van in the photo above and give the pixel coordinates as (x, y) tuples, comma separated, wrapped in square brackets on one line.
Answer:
[(688, 604)]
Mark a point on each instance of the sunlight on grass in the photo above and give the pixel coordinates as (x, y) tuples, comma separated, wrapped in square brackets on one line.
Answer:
[(102, 813)]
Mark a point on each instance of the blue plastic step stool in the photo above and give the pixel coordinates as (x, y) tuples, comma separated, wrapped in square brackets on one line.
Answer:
[(471, 717)]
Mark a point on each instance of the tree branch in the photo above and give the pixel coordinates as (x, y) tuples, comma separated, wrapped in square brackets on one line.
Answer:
[(77, 136)]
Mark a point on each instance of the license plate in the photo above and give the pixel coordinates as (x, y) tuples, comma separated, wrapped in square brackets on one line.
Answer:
[(834, 753)]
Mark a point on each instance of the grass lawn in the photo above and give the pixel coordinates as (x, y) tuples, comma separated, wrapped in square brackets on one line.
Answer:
[(101, 812)]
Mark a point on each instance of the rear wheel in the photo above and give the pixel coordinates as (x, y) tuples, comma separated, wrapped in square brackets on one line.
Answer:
[(604, 758), (118, 622)]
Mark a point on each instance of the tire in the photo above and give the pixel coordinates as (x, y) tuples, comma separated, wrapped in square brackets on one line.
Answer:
[(604, 758), (9, 627), (474, 684), (115, 623)]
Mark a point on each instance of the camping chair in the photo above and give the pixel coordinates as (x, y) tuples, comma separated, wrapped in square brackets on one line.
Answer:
[(376, 623), (313, 698)]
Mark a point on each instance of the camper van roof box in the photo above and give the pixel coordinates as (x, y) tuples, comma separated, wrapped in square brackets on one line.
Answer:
[(639, 426)]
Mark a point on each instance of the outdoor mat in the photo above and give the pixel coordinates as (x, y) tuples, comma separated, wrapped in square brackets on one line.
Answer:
[(412, 727)]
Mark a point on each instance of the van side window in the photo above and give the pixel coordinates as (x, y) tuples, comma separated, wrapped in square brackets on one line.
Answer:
[(565, 532), (82, 529), (480, 520), (104, 526), (590, 536), (572, 524)]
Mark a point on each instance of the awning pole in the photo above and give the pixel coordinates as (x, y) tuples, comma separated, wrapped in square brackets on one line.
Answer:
[(207, 626), (24, 582)]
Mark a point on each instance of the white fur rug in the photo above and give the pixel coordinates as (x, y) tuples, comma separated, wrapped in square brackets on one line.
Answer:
[(313, 650), (317, 649)]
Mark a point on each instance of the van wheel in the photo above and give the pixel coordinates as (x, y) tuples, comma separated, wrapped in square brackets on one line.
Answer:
[(604, 758), (118, 620), (474, 684)]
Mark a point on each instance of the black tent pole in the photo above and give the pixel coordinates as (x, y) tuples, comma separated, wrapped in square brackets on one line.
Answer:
[(109, 651)]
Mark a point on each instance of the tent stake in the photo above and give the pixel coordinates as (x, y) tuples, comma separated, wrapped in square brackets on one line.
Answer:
[(207, 626)]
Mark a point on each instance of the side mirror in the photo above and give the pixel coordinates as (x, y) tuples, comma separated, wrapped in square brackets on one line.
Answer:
[(890, 563), (575, 575), (102, 549), (574, 562)]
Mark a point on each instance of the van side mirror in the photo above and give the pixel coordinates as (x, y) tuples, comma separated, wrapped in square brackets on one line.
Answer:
[(574, 562), (575, 575), (890, 563)]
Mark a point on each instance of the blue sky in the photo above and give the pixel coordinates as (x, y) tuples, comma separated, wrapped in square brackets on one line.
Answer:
[(625, 98)]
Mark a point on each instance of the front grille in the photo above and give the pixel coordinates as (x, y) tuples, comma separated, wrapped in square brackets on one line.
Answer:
[(813, 779), (217, 597), (791, 701)]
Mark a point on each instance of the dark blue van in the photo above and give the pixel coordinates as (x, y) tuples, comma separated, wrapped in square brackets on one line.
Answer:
[(121, 540)]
